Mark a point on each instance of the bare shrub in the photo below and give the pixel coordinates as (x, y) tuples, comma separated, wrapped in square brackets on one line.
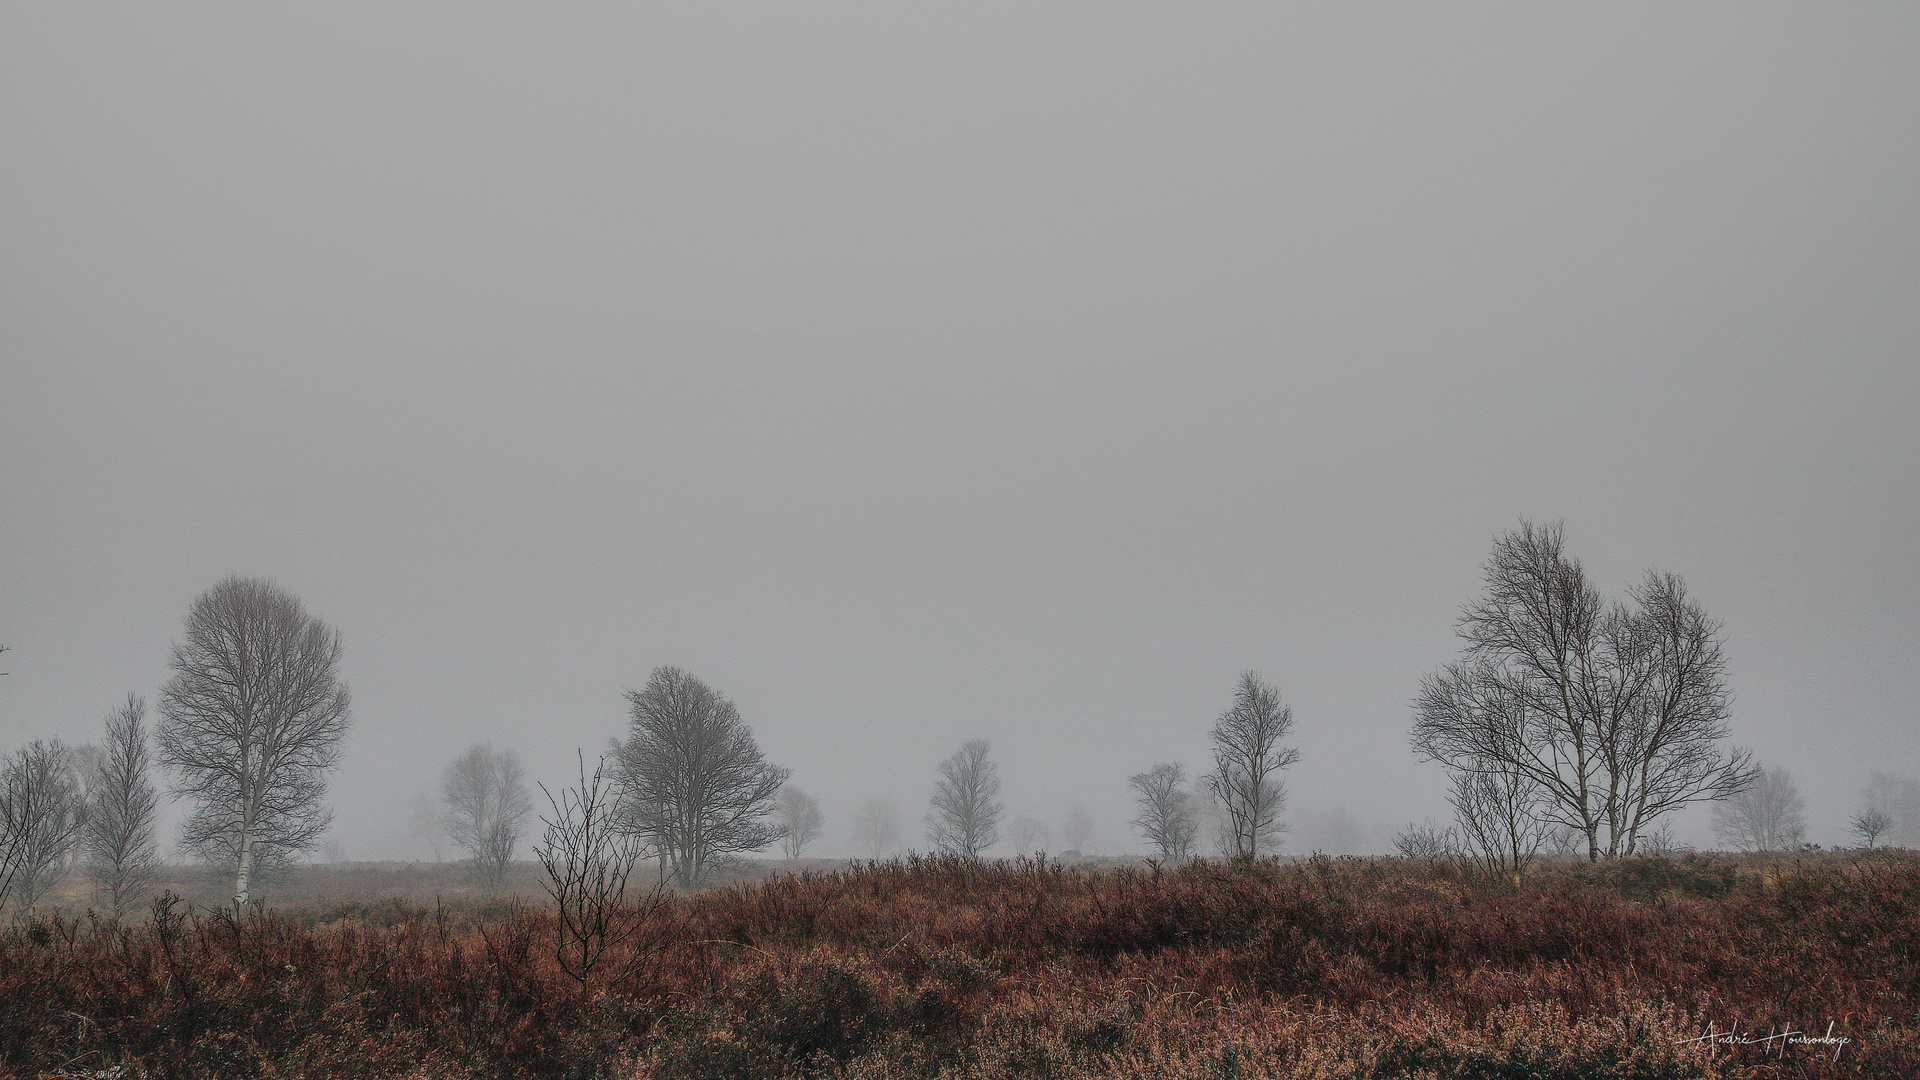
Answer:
[(588, 862)]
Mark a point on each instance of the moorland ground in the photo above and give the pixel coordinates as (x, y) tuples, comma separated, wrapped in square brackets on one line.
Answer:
[(945, 967)]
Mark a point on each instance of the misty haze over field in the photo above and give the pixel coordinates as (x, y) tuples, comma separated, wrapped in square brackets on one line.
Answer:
[(918, 374)]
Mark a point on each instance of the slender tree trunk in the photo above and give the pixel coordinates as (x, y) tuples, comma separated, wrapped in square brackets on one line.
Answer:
[(246, 869)]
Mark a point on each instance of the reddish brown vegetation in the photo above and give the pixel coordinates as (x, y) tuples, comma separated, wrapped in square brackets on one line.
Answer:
[(1344, 968)]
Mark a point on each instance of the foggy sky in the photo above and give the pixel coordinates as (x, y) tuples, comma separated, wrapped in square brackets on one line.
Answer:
[(915, 373)]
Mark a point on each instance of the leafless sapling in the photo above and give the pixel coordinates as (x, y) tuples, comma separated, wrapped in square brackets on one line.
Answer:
[(122, 804), (966, 812), (1247, 760), (251, 722), (589, 859), (487, 804), (798, 813), (1870, 825), (1166, 818)]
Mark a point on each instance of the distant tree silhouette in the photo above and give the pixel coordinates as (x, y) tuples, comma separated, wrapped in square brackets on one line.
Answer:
[(966, 812), (487, 805), (1166, 810)]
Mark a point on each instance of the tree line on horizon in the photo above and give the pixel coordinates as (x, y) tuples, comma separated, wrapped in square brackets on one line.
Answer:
[(1570, 724)]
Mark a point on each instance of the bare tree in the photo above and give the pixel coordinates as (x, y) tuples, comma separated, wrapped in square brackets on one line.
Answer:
[(427, 823), (1499, 812), (1166, 810), (487, 804), (1870, 825), (877, 827), (799, 815), (1247, 759), (1615, 714), (1077, 828), (691, 779), (1764, 817), (1029, 834), (252, 720), (966, 811), (589, 858), (42, 812), (1897, 797), (122, 803)]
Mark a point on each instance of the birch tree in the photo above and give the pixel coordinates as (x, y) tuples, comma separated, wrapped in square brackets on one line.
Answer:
[(966, 812), (121, 805), (1247, 760), (1768, 816), (252, 721), (1615, 714), (1166, 810)]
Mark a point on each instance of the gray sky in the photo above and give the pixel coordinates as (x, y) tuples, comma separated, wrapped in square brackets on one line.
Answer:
[(914, 373)]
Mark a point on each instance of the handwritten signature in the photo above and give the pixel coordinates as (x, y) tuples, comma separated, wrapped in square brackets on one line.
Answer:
[(1773, 1041)]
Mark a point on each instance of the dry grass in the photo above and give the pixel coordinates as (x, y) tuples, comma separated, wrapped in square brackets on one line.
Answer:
[(1328, 968)]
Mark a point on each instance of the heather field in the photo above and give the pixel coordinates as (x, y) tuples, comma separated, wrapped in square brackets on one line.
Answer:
[(948, 968)]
